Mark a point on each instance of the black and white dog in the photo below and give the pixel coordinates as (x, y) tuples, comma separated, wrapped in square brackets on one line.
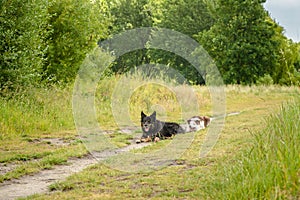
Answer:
[(154, 130)]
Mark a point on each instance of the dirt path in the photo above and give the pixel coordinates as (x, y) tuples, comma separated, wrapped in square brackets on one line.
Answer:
[(39, 183)]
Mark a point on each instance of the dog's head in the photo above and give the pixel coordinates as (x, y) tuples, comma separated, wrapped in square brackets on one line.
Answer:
[(147, 124), (194, 123)]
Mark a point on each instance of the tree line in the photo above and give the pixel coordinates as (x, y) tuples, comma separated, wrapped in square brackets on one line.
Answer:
[(45, 41)]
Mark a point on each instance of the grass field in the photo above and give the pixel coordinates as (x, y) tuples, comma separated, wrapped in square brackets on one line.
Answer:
[(256, 156)]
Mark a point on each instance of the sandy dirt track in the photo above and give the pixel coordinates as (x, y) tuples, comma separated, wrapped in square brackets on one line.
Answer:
[(40, 182)]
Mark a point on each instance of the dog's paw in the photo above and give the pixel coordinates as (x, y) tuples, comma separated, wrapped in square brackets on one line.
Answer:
[(138, 141), (148, 139), (156, 139)]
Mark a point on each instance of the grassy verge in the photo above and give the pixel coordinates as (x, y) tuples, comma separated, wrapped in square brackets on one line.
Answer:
[(36, 111), (30, 118), (32, 163), (270, 168)]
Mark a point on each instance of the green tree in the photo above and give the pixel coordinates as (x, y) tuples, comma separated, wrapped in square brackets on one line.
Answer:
[(130, 14), (23, 33), (186, 16), (241, 41), (286, 70), (76, 27)]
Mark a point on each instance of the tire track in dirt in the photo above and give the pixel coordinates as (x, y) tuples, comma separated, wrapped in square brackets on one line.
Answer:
[(40, 182)]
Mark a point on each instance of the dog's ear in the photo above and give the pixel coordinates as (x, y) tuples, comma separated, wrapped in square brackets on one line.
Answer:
[(143, 115), (153, 115), (206, 121)]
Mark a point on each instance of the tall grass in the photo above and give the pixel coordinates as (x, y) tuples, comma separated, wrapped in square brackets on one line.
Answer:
[(36, 110), (121, 99), (271, 168), (31, 114)]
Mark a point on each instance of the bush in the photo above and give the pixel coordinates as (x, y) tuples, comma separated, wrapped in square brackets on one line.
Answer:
[(77, 26), (265, 80), (22, 42)]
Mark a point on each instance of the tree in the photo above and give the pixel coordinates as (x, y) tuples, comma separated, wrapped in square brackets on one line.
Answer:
[(286, 70), (130, 14), (76, 27), (23, 33), (241, 41), (186, 16)]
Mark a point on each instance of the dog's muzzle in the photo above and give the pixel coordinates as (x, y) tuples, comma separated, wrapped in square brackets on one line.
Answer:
[(146, 128)]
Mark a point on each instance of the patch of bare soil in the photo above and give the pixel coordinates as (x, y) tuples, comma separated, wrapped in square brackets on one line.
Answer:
[(40, 182), (7, 167)]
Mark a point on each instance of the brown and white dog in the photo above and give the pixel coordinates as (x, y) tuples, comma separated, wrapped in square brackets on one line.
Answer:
[(196, 123)]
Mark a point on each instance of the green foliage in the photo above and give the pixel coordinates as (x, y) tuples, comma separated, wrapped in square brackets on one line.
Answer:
[(76, 26), (248, 45), (48, 40), (286, 72), (22, 42), (130, 14), (244, 42), (166, 14), (241, 41), (186, 16), (265, 80)]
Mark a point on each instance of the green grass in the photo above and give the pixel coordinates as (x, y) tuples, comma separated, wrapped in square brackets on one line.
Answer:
[(270, 167), (29, 117), (119, 139), (36, 111), (31, 162), (39, 114)]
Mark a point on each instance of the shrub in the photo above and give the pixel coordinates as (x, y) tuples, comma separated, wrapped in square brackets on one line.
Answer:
[(265, 80), (22, 42)]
